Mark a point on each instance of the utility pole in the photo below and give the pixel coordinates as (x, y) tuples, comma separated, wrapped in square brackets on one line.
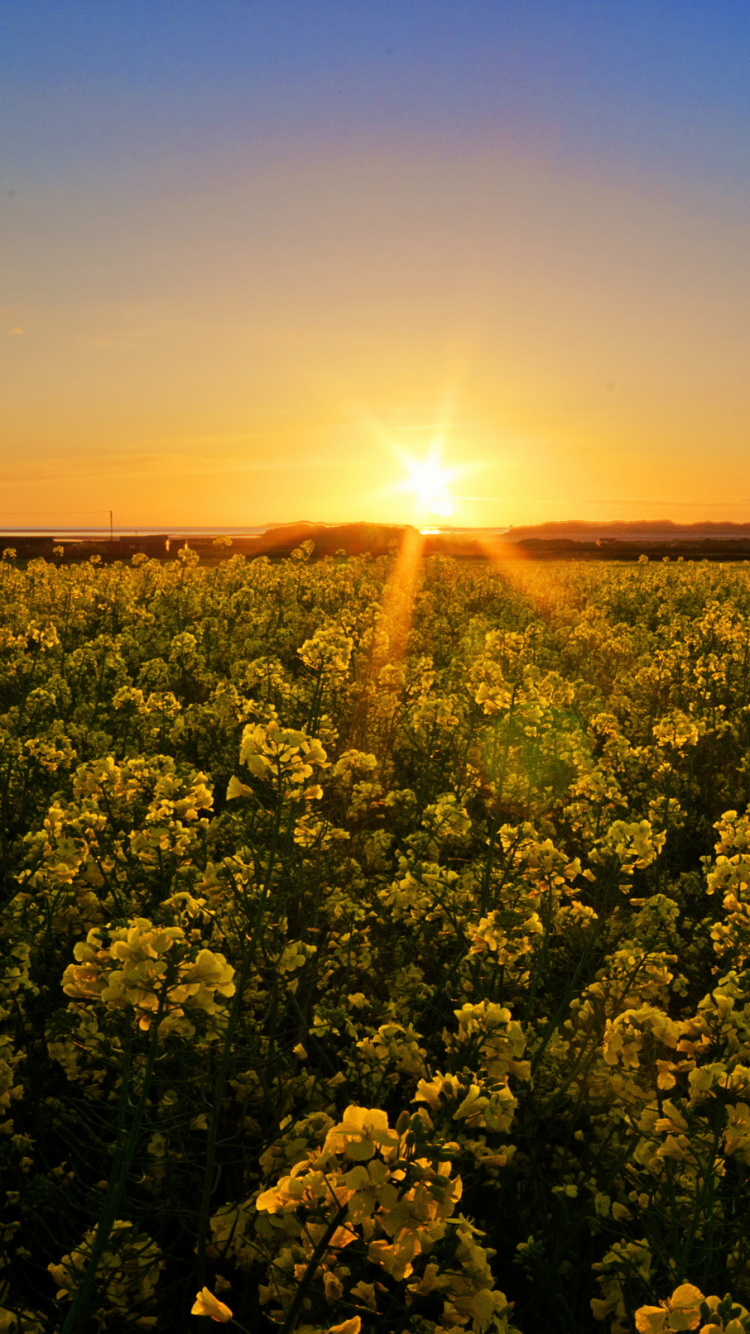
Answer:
[(111, 528)]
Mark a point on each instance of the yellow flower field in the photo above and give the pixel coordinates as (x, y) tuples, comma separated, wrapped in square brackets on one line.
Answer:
[(376, 947)]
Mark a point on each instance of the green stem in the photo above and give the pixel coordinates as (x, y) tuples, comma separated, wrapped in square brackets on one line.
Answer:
[(79, 1314), (226, 1056), (309, 1274)]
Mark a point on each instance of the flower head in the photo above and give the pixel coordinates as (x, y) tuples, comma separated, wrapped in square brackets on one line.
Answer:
[(206, 1304)]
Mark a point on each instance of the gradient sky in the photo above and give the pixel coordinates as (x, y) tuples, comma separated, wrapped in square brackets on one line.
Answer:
[(254, 252)]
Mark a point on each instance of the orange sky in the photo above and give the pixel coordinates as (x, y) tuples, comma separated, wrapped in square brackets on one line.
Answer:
[(248, 336)]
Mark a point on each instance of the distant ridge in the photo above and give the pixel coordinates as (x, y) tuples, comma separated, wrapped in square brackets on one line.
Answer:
[(572, 540), (624, 530)]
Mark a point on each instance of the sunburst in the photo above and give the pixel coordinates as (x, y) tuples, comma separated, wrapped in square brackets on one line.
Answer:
[(429, 481)]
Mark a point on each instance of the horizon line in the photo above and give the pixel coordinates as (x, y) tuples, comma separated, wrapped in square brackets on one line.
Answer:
[(219, 529)]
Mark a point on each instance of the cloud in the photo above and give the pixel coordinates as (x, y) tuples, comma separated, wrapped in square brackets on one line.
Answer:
[(119, 466), (15, 330)]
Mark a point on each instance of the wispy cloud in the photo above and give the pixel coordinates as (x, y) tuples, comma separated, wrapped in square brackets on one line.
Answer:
[(124, 466), (15, 331), (702, 503)]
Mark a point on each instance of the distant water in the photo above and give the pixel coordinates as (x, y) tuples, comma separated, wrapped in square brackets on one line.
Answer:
[(214, 531)]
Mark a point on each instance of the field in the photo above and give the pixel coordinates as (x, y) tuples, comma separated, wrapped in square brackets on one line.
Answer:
[(376, 946)]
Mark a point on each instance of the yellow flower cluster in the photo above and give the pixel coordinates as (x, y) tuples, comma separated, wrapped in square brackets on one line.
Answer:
[(283, 756), (367, 1190), (688, 1309), (151, 970)]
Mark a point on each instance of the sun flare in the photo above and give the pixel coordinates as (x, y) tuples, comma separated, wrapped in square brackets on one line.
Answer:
[(429, 482)]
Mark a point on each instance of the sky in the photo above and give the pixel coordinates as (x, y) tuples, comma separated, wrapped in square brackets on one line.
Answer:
[(480, 261)]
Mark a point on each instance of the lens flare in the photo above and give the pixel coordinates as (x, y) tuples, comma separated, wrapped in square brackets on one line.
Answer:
[(429, 482)]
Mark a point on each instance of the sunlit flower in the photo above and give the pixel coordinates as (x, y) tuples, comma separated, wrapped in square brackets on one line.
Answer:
[(206, 1304)]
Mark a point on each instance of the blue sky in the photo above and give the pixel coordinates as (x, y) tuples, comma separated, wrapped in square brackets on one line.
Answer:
[(233, 208), (87, 86)]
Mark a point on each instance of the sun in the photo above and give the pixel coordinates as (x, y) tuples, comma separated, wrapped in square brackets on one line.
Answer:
[(429, 482)]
